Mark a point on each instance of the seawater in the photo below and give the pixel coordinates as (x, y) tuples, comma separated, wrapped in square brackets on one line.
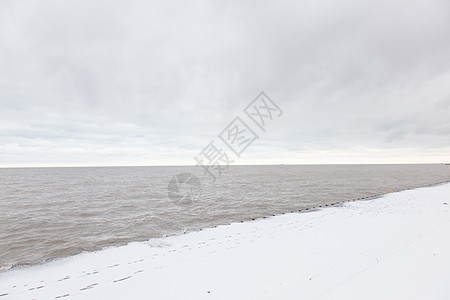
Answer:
[(48, 213)]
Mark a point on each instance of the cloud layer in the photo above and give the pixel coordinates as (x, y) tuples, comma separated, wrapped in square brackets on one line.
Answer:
[(152, 82)]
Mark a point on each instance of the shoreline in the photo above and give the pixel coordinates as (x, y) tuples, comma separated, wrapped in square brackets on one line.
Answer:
[(304, 210), (319, 255)]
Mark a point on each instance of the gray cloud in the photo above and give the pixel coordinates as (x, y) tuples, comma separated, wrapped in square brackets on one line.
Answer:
[(146, 82)]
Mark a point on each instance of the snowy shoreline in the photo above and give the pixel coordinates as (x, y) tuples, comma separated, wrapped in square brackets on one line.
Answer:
[(392, 247)]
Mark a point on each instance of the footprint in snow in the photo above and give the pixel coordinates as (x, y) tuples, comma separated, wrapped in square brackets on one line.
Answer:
[(122, 279), (65, 278), (113, 266), (91, 286), (62, 296)]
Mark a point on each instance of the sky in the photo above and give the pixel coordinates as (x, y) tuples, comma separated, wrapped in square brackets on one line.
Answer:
[(129, 83)]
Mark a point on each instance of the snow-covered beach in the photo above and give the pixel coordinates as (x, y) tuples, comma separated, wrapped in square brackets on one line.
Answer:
[(393, 247)]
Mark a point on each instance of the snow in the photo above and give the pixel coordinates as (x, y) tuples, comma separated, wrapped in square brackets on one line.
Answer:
[(393, 247)]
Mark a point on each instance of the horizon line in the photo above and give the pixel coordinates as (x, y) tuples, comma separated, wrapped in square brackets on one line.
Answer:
[(236, 165)]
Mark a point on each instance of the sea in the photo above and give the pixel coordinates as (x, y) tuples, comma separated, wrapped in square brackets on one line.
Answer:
[(50, 213)]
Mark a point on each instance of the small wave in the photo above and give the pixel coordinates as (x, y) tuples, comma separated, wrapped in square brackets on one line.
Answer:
[(6, 267)]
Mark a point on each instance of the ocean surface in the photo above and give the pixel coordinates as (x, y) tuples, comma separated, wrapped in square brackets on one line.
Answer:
[(48, 213)]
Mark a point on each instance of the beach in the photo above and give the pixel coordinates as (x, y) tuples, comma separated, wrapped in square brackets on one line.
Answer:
[(225, 150), (392, 247)]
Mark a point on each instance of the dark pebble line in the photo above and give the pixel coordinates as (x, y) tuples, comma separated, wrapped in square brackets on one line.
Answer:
[(325, 205)]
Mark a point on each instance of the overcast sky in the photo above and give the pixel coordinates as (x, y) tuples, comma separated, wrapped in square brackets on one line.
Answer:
[(87, 82)]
